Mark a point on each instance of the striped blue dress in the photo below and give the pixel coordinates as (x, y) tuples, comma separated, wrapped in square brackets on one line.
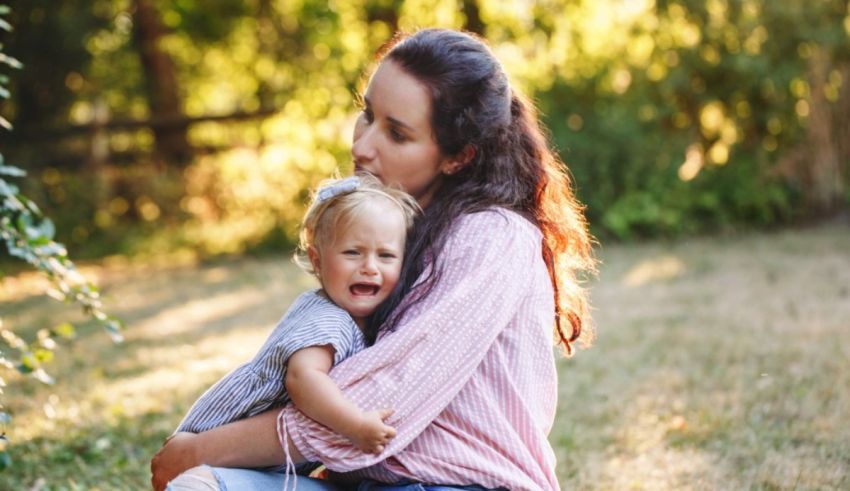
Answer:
[(258, 385)]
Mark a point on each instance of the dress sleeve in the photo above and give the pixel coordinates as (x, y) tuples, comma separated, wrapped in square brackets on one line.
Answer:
[(420, 367), (324, 324)]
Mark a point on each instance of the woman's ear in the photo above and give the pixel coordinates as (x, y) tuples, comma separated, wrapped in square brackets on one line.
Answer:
[(459, 161), (315, 260)]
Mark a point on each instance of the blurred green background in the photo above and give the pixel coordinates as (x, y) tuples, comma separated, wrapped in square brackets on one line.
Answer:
[(150, 127)]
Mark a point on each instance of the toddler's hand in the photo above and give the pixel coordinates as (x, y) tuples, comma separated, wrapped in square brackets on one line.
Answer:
[(372, 435)]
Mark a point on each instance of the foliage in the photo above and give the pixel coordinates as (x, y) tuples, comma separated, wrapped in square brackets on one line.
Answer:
[(685, 117), (28, 235), (674, 116)]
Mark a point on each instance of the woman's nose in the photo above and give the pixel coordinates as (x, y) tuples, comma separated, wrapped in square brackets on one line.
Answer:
[(363, 148)]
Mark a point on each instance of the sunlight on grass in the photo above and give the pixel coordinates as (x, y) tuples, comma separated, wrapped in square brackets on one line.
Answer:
[(645, 452), (195, 314), (652, 270), (178, 373), (180, 370), (22, 285), (659, 467)]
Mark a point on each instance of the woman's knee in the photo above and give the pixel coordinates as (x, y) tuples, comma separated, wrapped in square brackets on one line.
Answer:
[(195, 479)]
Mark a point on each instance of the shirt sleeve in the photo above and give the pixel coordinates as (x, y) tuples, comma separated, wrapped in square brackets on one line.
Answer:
[(420, 367), (324, 324)]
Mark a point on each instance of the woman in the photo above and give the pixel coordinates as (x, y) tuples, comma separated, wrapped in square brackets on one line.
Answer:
[(464, 356)]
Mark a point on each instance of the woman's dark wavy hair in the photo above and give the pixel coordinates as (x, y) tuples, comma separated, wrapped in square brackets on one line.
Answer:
[(473, 106)]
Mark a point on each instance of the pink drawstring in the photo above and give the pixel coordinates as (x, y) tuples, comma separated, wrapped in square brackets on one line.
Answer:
[(283, 437)]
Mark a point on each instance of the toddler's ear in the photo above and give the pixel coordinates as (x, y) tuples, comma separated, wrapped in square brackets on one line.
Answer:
[(315, 260)]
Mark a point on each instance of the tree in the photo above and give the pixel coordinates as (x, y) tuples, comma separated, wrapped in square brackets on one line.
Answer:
[(172, 141)]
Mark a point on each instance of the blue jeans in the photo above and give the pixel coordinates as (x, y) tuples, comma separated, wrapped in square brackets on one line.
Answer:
[(254, 480), (377, 486)]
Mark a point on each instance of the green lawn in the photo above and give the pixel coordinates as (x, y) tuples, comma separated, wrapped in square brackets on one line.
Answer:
[(720, 363)]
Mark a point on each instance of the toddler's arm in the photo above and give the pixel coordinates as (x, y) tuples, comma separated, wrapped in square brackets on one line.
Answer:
[(317, 396)]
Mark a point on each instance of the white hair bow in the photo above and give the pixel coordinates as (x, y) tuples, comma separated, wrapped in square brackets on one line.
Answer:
[(342, 186)]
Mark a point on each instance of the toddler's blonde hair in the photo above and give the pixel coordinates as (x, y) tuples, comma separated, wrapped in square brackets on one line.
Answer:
[(335, 205)]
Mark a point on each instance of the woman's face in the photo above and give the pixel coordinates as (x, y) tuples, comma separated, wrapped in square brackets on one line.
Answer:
[(393, 138)]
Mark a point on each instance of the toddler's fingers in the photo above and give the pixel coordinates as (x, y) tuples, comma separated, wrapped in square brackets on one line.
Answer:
[(385, 413)]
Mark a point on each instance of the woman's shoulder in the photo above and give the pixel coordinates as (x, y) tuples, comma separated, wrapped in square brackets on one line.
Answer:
[(495, 224)]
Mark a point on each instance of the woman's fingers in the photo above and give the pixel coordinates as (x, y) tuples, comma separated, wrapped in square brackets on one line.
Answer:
[(173, 458), (158, 479)]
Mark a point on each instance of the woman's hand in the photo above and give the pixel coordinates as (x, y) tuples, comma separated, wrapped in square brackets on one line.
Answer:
[(178, 454), (249, 442)]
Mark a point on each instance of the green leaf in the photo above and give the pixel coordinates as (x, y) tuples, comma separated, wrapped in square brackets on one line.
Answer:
[(5, 25), (5, 461), (114, 327), (47, 229), (12, 62), (43, 377), (30, 361), (5, 123), (7, 189), (33, 234), (64, 330), (43, 355), (8, 170), (5, 9), (30, 205), (24, 220)]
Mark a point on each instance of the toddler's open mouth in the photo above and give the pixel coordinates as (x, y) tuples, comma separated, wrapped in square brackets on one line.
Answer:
[(364, 289)]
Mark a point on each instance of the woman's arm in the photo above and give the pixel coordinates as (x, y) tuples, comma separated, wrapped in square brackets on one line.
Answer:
[(316, 395), (250, 442)]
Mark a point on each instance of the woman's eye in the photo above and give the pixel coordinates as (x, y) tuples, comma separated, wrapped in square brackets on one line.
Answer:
[(367, 115), (350, 252), (388, 255), (397, 136)]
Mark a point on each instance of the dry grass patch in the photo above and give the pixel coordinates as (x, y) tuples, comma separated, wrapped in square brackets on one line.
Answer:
[(721, 363)]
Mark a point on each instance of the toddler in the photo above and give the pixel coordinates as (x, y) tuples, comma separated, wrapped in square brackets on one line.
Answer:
[(352, 239)]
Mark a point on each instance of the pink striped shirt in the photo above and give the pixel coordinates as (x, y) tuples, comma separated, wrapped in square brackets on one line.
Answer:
[(470, 371)]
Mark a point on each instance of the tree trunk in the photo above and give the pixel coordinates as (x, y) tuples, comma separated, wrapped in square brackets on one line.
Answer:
[(172, 143), (388, 14), (473, 22), (842, 124), (821, 172)]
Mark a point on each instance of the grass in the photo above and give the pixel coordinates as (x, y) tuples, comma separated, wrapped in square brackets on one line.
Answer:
[(721, 363)]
